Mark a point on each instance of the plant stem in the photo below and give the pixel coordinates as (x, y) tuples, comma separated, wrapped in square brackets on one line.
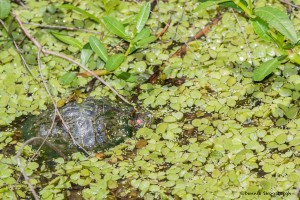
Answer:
[(129, 49), (244, 8)]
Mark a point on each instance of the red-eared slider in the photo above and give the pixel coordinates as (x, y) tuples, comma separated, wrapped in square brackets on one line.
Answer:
[(94, 124)]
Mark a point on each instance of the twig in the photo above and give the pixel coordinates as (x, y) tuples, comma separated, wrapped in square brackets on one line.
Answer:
[(20, 3), (160, 34), (245, 38), (152, 13), (48, 133), (54, 103), (35, 195), (48, 52), (288, 3), (181, 17), (62, 28), (18, 50), (182, 50)]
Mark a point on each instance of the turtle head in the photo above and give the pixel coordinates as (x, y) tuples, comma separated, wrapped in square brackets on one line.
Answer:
[(142, 118)]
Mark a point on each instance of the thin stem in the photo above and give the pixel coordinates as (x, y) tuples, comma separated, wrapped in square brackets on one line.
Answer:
[(245, 38), (61, 27), (129, 49), (244, 8)]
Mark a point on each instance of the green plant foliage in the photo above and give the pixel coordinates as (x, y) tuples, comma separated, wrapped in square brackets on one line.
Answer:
[(142, 17), (98, 48), (109, 5), (114, 61), (206, 4), (265, 69), (83, 12), (67, 39), (144, 33), (261, 28), (278, 20), (4, 8), (67, 78), (145, 41), (231, 4), (115, 27), (290, 113), (86, 53), (127, 77), (220, 132)]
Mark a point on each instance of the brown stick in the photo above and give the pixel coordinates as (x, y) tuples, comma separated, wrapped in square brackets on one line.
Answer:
[(35, 195), (182, 50), (61, 28), (164, 29)]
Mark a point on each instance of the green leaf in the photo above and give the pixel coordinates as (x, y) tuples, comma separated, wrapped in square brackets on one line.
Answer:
[(98, 48), (127, 77), (4, 8), (141, 35), (142, 17), (83, 12), (67, 39), (261, 29), (265, 69), (146, 41), (86, 53), (67, 78), (115, 27), (207, 4), (109, 5), (114, 62), (129, 20), (278, 20), (232, 5)]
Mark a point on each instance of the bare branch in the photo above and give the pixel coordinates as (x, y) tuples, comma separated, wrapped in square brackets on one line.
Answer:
[(19, 51), (245, 38), (62, 28), (36, 197), (54, 104)]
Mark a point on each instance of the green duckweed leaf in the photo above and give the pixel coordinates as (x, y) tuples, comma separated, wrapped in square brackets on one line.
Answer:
[(99, 48), (114, 62), (115, 27), (86, 53), (290, 113), (83, 12), (4, 8), (261, 29), (265, 69), (67, 39), (142, 17), (67, 78), (278, 20)]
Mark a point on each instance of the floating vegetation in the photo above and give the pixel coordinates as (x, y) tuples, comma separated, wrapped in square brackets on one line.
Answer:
[(217, 132)]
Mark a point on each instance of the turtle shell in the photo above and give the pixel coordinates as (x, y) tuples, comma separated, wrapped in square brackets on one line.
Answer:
[(93, 124)]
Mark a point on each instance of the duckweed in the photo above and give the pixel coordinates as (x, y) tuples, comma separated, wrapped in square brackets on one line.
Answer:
[(216, 135)]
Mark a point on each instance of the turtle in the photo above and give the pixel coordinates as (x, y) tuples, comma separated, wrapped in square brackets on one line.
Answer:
[(94, 124)]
